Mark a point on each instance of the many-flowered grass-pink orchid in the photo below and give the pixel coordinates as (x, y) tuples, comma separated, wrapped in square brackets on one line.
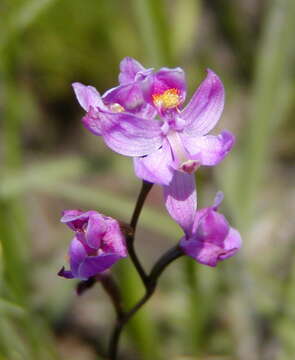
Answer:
[(208, 236), (177, 140), (98, 243), (185, 143)]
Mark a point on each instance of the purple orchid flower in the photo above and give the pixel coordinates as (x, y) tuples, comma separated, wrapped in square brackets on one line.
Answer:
[(173, 144), (185, 143), (208, 236), (125, 117), (104, 112), (97, 245)]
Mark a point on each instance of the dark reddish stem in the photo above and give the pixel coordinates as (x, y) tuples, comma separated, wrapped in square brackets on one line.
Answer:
[(145, 189), (151, 284), (112, 289), (149, 281)]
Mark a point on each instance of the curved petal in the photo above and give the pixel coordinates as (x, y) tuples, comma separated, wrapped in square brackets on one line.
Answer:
[(209, 150), (113, 240), (130, 97), (205, 107), (94, 265), (92, 122), (77, 254), (164, 79), (65, 273), (87, 96), (202, 252), (129, 67), (155, 167), (181, 200), (218, 200), (96, 228), (212, 227), (130, 135), (232, 244), (75, 219)]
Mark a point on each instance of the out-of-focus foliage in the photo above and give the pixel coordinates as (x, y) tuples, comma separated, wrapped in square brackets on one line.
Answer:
[(244, 308)]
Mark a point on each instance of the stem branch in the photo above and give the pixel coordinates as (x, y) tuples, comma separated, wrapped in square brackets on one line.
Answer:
[(151, 283)]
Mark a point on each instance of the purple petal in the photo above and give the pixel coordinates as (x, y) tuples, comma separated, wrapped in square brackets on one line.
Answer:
[(87, 96), (75, 219), (92, 122), (209, 150), (212, 227), (218, 200), (155, 167), (130, 135), (163, 80), (204, 253), (77, 254), (129, 68), (113, 240), (94, 265), (130, 97), (205, 107), (181, 200), (65, 273), (232, 244), (96, 228)]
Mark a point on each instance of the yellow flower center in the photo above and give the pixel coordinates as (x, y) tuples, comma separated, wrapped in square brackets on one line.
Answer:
[(168, 99), (115, 107)]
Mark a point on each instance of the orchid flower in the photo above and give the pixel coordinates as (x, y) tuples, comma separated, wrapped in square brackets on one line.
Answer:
[(208, 236), (177, 140), (174, 144), (98, 243), (185, 143), (112, 115)]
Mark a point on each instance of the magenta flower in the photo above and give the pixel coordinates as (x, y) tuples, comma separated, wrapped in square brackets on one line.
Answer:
[(98, 243), (121, 116), (177, 140), (185, 143), (208, 236)]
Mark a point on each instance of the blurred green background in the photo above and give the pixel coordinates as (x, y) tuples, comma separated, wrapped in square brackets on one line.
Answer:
[(243, 309)]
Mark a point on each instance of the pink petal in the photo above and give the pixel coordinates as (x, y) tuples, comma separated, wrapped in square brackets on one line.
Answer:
[(181, 199), (205, 107), (75, 219), (113, 240), (87, 96), (129, 68), (130, 97), (232, 244), (94, 265), (130, 135), (212, 227), (205, 253), (77, 254), (209, 150), (218, 200), (96, 228), (92, 122), (155, 167)]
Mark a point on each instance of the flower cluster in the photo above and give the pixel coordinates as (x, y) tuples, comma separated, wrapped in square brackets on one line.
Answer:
[(144, 117)]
